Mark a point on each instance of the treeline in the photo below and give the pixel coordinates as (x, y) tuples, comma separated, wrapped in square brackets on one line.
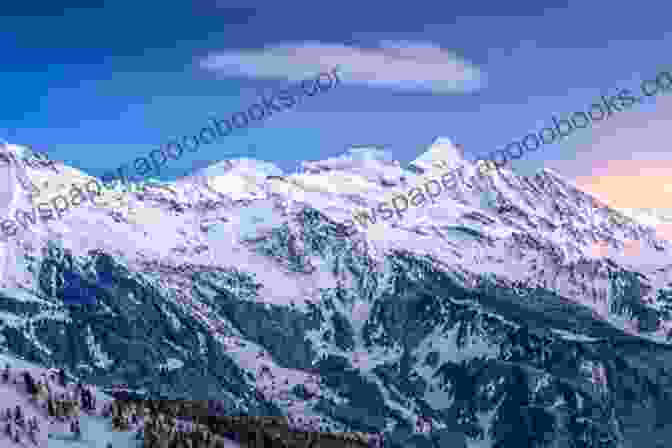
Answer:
[(252, 431)]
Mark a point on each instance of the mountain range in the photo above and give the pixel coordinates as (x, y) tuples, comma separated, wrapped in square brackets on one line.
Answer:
[(489, 313)]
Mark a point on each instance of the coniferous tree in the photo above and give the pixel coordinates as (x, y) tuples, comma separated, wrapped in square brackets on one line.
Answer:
[(30, 383)]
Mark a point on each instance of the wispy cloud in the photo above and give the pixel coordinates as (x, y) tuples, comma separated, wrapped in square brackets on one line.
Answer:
[(405, 65)]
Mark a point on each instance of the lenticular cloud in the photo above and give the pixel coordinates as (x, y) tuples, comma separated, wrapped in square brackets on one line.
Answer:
[(399, 65)]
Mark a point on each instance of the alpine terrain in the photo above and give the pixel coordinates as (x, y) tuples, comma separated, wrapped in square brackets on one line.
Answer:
[(509, 313)]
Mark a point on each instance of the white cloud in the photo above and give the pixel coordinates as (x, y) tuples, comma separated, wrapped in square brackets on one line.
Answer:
[(393, 64)]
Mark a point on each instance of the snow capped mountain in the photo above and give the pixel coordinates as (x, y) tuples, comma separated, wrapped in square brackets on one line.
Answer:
[(510, 302), (441, 149)]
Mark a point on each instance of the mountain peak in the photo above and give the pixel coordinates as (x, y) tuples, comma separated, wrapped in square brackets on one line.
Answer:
[(442, 148), (357, 157), (241, 166), (7, 149)]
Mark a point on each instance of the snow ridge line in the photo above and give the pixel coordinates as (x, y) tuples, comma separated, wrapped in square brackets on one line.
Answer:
[(363, 217), (10, 228)]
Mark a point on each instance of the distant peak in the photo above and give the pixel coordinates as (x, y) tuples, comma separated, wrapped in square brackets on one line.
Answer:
[(17, 150), (245, 166), (441, 149), (356, 157), (551, 172)]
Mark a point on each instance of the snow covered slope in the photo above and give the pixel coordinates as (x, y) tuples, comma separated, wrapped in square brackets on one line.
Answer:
[(96, 430), (510, 302)]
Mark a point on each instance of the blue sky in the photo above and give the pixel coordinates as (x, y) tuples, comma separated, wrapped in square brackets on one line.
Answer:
[(98, 86)]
